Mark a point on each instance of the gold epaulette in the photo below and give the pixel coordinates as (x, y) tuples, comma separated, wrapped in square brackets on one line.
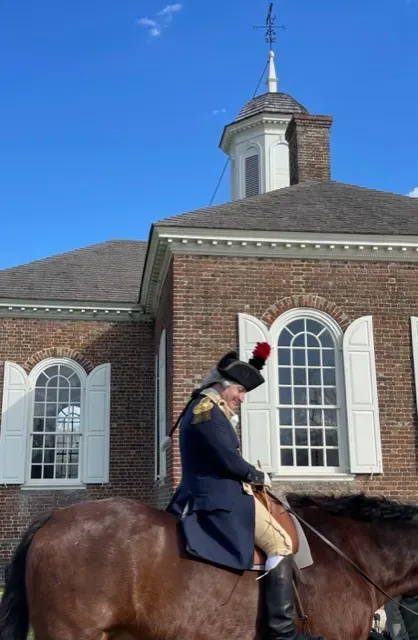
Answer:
[(201, 412)]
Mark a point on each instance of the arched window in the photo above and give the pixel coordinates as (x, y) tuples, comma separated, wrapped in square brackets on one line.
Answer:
[(309, 395), (56, 425), (317, 415)]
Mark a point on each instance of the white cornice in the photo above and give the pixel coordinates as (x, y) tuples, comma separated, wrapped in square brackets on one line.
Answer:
[(102, 312), (168, 241), (250, 122)]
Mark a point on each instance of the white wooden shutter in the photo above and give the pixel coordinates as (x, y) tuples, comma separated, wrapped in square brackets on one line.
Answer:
[(362, 399), (162, 402), (258, 413), (14, 425), (414, 337), (96, 426)]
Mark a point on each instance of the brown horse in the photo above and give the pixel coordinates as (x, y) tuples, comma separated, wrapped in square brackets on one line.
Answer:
[(117, 569)]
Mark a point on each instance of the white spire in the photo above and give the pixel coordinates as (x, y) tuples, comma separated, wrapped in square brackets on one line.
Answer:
[(272, 77)]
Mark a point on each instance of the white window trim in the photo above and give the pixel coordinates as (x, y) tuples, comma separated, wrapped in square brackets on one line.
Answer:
[(32, 378), (298, 473)]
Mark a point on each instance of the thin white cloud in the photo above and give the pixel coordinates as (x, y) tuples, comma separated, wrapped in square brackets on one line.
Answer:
[(170, 9), (414, 193), (146, 22), (155, 27), (216, 112)]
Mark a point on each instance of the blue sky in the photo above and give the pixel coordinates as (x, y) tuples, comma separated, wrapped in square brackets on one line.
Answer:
[(107, 124)]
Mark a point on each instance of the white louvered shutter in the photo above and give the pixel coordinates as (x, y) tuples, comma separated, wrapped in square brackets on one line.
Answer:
[(162, 402), (96, 426), (14, 424), (362, 399), (252, 175), (258, 413)]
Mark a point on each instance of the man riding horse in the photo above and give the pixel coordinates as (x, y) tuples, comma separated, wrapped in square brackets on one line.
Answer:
[(221, 520)]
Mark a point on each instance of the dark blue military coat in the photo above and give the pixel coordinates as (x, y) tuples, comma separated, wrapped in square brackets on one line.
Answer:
[(217, 516)]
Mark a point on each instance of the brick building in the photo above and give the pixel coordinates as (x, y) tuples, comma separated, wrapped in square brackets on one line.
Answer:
[(100, 347)]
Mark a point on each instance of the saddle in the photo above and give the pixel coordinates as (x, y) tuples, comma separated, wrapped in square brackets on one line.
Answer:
[(282, 517)]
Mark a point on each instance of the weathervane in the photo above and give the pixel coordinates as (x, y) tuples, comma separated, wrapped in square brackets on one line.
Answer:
[(270, 27)]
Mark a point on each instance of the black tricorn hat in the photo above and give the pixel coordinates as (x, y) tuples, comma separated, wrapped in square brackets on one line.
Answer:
[(247, 374)]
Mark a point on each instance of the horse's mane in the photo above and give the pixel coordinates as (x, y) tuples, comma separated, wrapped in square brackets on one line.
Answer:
[(357, 506)]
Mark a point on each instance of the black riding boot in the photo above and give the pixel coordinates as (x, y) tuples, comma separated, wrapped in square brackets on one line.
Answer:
[(279, 603)]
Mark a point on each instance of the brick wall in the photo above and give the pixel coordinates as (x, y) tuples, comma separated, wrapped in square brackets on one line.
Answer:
[(209, 292), (127, 348)]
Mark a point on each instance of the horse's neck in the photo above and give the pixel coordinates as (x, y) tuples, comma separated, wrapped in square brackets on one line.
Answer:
[(390, 558)]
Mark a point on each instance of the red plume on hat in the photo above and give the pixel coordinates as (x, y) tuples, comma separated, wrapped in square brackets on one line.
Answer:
[(260, 354)]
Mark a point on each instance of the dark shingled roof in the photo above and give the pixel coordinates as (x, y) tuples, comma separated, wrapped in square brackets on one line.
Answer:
[(271, 103), (106, 272), (321, 207)]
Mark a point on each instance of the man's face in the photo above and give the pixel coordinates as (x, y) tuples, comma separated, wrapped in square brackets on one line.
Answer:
[(233, 396)]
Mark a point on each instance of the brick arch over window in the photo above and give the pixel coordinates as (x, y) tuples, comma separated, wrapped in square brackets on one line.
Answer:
[(305, 300), (58, 352)]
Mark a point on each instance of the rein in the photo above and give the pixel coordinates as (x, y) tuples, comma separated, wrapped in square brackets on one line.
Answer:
[(346, 559)]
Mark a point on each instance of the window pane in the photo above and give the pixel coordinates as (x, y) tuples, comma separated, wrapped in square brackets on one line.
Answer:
[(302, 457), (332, 458), (315, 395), (37, 442), (299, 376), (317, 456), (299, 341), (313, 326), (296, 326), (64, 396), (49, 456), (314, 376), (330, 417), (284, 375), (301, 436), (286, 437), (66, 372), (48, 471), (284, 338), (74, 381), (300, 395), (313, 341), (285, 416), (50, 372), (38, 424), (314, 358), (330, 396), (299, 359), (301, 417), (51, 394), (326, 339), (316, 437), (36, 472), (40, 395), (42, 380), (39, 409), (285, 394), (315, 417), (286, 457), (37, 455), (331, 437), (284, 357), (328, 358), (329, 377)]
